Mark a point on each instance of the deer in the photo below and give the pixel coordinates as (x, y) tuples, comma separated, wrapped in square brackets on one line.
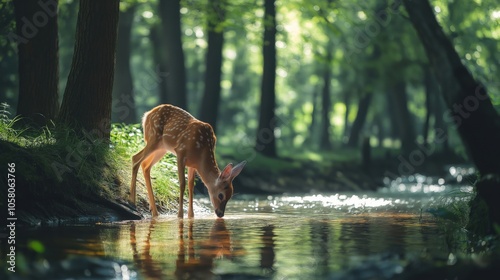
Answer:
[(168, 128)]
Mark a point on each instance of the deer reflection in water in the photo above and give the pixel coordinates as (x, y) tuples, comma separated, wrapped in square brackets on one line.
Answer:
[(200, 263), (195, 257), (144, 261)]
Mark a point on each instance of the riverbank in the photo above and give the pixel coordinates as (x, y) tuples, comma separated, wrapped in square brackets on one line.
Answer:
[(55, 176)]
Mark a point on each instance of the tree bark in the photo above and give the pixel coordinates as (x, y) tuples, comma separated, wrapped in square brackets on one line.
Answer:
[(123, 88), (266, 140), (176, 79), (213, 70), (37, 42), (359, 122), (469, 105), (87, 99)]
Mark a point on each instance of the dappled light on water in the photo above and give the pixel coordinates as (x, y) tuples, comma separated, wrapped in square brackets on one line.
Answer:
[(313, 236)]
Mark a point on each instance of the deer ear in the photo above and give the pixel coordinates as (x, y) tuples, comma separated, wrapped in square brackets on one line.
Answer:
[(226, 173), (237, 169)]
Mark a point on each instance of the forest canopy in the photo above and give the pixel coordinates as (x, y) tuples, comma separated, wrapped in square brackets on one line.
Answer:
[(344, 70)]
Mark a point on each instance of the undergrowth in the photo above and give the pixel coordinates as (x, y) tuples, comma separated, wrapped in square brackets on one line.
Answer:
[(55, 165), (462, 220), (126, 141)]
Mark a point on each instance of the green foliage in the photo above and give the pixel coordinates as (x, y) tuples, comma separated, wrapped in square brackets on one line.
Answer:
[(370, 54), (126, 141)]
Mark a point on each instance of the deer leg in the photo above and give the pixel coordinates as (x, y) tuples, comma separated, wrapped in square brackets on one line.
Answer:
[(136, 162), (146, 169), (191, 172), (181, 165)]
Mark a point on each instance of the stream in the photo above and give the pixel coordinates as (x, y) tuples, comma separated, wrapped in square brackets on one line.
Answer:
[(370, 235)]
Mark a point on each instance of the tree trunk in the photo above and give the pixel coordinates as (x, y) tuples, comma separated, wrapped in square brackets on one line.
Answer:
[(440, 123), (394, 127), (87, 99), (347, 126), (359, 122), (403, 118), (158, 43), (266, 140), (123, 88), (176, 79), (211, 96), (429, 93), (311, 138), (241, 85), (326, 104), (66, 19), (469, 105), (37, 42)]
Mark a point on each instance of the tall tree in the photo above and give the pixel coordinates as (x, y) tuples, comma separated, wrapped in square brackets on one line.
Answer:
[(469, 105), (326, 102), (403, 119), (347, 101), (37, 41), (266, 140), (159, 56), (171, 26), (123, 88), (87, 99), (8, 56), (429, 94), (211, 96), (311, 138), (359, 121)]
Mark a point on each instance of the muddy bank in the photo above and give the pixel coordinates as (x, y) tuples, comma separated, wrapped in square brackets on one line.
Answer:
[(83, 210)]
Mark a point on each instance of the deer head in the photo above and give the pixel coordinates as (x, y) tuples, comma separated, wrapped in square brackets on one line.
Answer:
[(222, 190)]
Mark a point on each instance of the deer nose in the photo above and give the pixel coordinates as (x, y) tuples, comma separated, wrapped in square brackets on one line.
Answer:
[(219, 213)]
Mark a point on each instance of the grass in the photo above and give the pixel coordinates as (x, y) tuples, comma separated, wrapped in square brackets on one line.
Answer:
[(126, 141)]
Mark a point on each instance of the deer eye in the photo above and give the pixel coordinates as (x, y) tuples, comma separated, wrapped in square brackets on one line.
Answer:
[(221, 196)]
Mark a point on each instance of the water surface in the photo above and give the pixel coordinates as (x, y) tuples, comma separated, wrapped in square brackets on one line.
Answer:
[(261, 237)]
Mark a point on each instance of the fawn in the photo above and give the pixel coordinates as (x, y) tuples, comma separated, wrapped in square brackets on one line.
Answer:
[(168, 128)]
